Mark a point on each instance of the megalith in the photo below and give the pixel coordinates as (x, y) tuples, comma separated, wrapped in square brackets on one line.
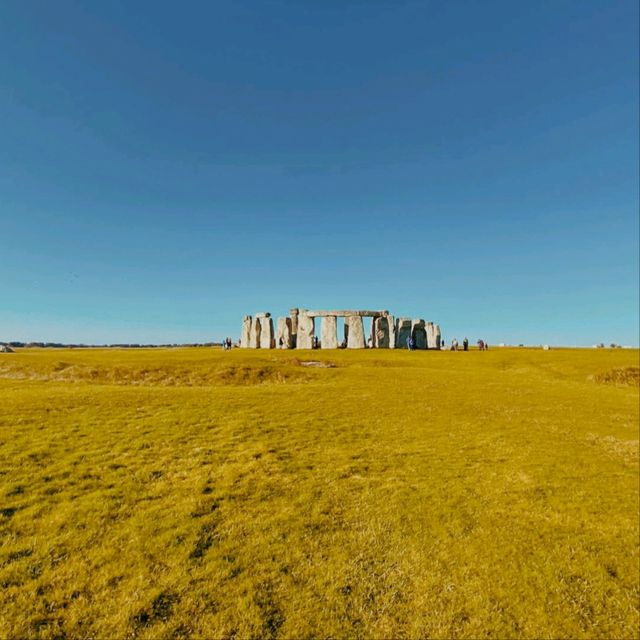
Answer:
[(403, 332), (283, 333), (381, 333), (392, 332), (355, 332), (246, 332), (419, 333), (329, 333), (306, 332), (438, 336), (433, 339), (254, 335), (267, 339), (293, 313)]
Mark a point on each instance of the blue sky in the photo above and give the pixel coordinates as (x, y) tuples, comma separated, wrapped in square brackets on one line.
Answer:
[(166, 168)]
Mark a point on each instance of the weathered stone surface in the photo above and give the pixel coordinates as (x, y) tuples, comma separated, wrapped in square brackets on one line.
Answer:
[(329, 333), (433, 336), (294, 326), (355, 336), (346, 314), (254, 334), (438, 336), (283, 333), (267, 337), (246, 332), (5, 348), (403, 332), (419, 333), (306, 332), (381, 333), (392, 332)]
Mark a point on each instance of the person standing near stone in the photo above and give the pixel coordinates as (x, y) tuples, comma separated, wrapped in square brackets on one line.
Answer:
[(465, 344)]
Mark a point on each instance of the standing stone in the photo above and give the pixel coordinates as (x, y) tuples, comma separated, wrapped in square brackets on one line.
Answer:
[(381, 334), (438, 336), (392, 332), (294, 326), (306, 331), (246, 332), (419, 333), (329, 333), (267, 340), (283, 333), (433, 341), (355, 336), (254, 335), (403, 331)]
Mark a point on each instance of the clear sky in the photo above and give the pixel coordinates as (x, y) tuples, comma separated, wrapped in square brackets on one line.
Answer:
[(166, 168)]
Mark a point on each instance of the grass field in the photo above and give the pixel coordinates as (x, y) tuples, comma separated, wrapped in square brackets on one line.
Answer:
[(196, 493)]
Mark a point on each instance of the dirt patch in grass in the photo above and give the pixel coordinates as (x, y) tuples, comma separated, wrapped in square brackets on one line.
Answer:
[(625, 377), (316, 363)]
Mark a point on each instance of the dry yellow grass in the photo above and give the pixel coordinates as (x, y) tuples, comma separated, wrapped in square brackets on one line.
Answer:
[(197, 493)]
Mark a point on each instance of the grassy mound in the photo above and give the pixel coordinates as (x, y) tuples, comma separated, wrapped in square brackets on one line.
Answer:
[(92, 367)]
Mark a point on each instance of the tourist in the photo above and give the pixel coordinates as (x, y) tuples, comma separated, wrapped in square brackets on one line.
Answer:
[(481, 345), (465, 344), (454, 344)]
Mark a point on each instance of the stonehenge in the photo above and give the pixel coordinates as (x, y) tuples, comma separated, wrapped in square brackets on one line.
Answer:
[(298, 331)]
